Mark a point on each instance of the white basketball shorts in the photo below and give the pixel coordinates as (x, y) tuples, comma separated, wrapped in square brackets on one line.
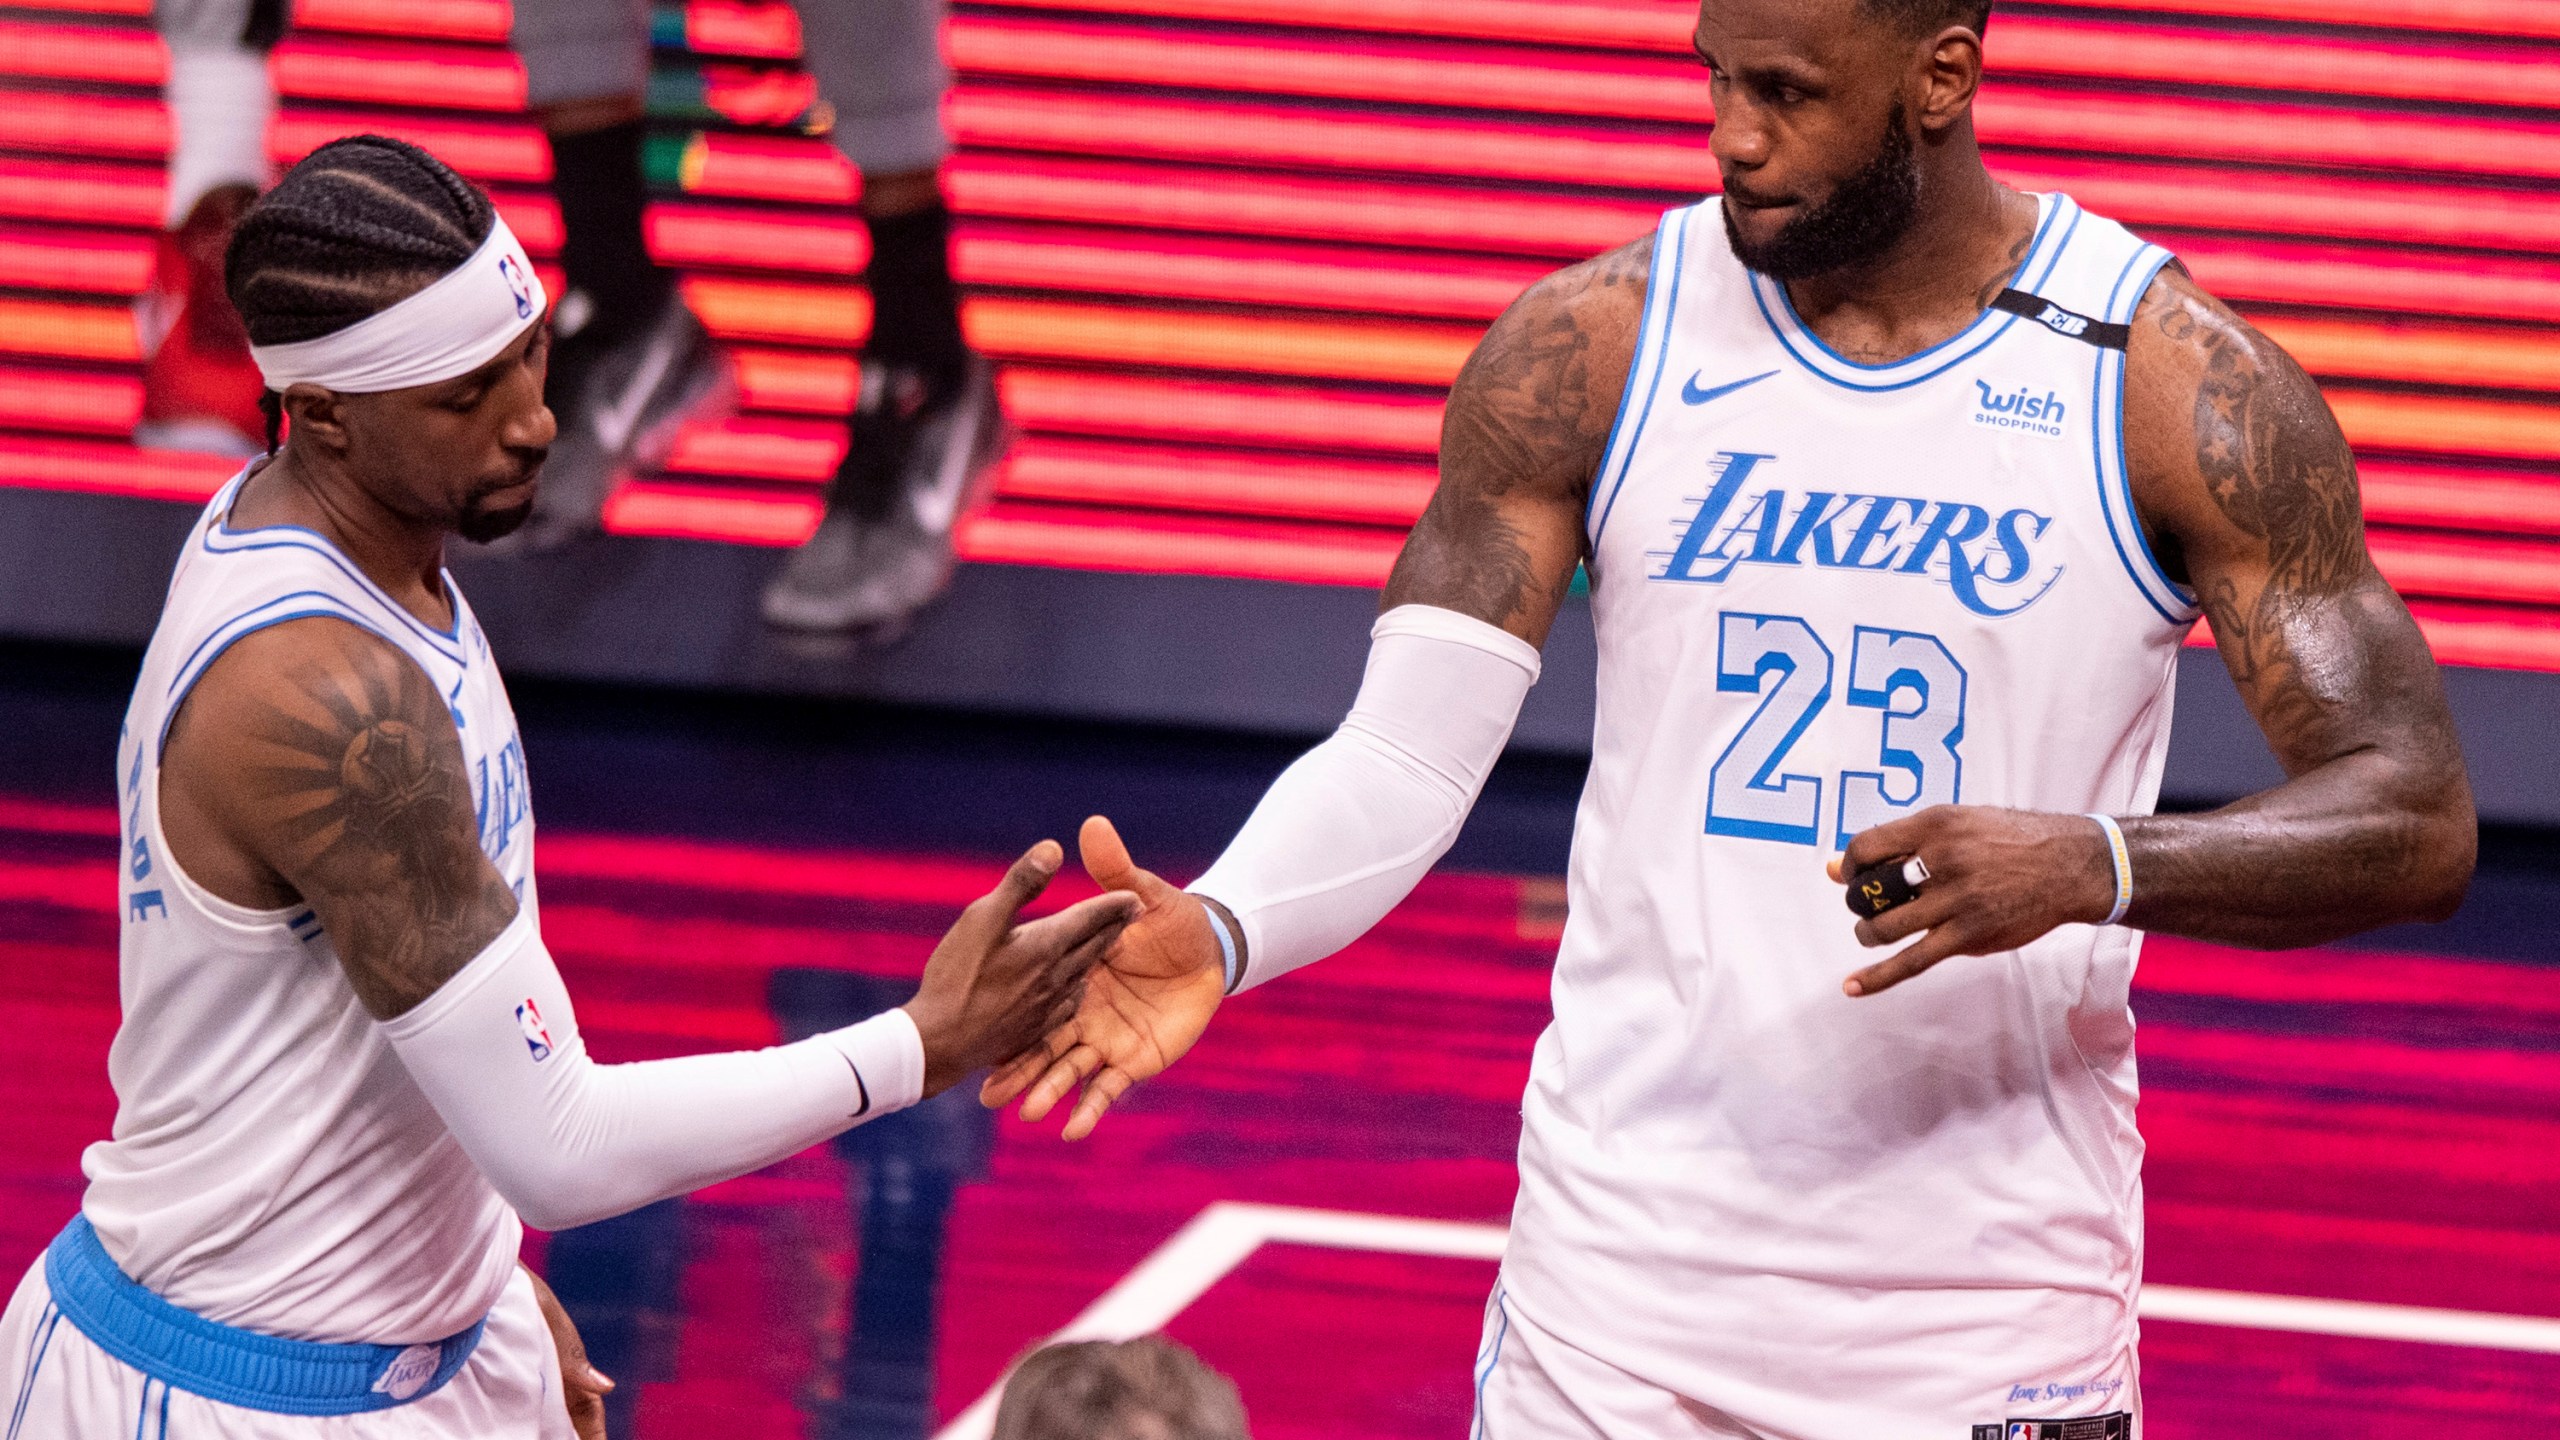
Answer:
[(1532, 1384), (55, 1384)]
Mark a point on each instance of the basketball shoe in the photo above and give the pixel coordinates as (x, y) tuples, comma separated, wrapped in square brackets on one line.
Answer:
[(936, 456), (200, 389)]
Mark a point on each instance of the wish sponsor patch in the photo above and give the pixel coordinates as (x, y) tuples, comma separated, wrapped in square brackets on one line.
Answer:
[(2118, 1426)]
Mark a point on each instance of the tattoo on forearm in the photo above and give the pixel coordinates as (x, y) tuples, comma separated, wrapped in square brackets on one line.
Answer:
[(375, 807)]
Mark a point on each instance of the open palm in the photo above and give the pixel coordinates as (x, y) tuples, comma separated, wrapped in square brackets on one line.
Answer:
[(1143, 1006)]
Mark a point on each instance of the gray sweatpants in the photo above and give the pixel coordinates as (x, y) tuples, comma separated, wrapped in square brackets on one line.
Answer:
[(878, 62)]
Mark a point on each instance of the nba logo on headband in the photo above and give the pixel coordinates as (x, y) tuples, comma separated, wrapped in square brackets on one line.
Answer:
[(518, 285), (450, 328)]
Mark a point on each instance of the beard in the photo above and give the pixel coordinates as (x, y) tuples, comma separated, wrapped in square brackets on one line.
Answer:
[(481, 523), (482, 526), (1867, 215)]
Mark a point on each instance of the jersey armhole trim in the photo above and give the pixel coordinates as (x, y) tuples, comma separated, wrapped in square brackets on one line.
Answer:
[(2175, 603), (229, 914), (188, 678), (1652, 352)]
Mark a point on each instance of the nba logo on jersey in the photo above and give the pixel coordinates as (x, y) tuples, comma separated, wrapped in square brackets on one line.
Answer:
[(537, 1036)]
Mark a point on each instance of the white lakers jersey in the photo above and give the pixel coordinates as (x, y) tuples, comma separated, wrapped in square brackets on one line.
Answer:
[(273, 1167), (1829, 595)]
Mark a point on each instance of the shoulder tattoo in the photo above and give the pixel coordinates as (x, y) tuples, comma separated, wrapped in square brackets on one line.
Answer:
[(374, 819)]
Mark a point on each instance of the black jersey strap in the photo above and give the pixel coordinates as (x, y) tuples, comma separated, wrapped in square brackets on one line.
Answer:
[(2105, 334)]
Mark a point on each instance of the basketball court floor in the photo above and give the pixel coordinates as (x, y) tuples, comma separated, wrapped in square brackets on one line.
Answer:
[(2354, 1178)]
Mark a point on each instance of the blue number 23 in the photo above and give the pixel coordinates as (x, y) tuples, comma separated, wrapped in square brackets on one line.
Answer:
[(1909, 677)]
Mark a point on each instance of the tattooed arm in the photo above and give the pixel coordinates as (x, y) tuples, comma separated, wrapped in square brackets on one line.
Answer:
[(1520, 447), (1348, 830), (2247, 491), (2248, 486), (314, 763)]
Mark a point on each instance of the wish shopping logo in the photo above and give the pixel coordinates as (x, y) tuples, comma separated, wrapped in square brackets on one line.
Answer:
[(2019, 407)]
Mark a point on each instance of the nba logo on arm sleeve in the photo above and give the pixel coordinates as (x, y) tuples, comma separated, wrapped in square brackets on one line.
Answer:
[(537, 1036)]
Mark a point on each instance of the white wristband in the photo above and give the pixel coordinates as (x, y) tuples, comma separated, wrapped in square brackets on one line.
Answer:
[(2124, 867)]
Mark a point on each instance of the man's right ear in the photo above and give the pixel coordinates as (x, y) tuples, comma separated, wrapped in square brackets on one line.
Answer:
[(316, 414)]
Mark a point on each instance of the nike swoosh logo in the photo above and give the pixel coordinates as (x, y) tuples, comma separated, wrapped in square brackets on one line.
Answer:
[(1691, 394), (615, 422)]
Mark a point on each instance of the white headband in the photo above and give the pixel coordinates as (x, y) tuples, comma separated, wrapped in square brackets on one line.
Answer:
[(450, 328)]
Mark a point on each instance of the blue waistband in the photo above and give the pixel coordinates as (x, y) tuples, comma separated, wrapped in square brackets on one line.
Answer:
[(187, 1352)]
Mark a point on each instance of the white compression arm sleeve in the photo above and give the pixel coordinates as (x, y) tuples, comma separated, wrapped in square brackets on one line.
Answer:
[(1350, 829), (568, 1141)]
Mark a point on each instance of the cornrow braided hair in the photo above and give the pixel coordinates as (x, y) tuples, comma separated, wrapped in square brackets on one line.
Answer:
[(360, 225)]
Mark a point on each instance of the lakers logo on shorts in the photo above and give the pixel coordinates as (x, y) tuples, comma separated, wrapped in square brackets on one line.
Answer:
[(409, 1371)]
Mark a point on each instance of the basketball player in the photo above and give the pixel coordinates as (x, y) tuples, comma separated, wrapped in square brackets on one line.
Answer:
[(347, 1063), (1899, 491)]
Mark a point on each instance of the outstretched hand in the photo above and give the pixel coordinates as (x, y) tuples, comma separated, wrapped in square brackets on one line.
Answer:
[(1143, 1007)]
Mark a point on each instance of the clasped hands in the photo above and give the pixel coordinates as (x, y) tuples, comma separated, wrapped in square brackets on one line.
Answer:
[(1101, 995), (1142, 975)]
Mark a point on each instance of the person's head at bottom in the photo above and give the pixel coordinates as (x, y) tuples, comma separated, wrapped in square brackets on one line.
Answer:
[(401, 326), (1150, 1388)]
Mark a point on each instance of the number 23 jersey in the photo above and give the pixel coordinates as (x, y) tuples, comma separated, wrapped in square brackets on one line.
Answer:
[(1830, 595)]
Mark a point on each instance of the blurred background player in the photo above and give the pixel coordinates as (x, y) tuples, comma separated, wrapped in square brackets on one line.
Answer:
[(634, 362), (1150, 1388), (631, 362), (200, 389)]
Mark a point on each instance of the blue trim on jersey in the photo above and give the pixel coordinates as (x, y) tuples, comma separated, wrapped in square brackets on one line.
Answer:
[(1492, 1358), (319, 545), (2174, 602), (1663, 239), (1661, 361), (39, 1344), (1997, 321), (187, 667), (177, 697), (232, 1366)]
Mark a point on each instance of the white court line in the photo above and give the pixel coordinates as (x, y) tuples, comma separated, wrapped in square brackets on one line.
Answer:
[(1227, 1233)]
